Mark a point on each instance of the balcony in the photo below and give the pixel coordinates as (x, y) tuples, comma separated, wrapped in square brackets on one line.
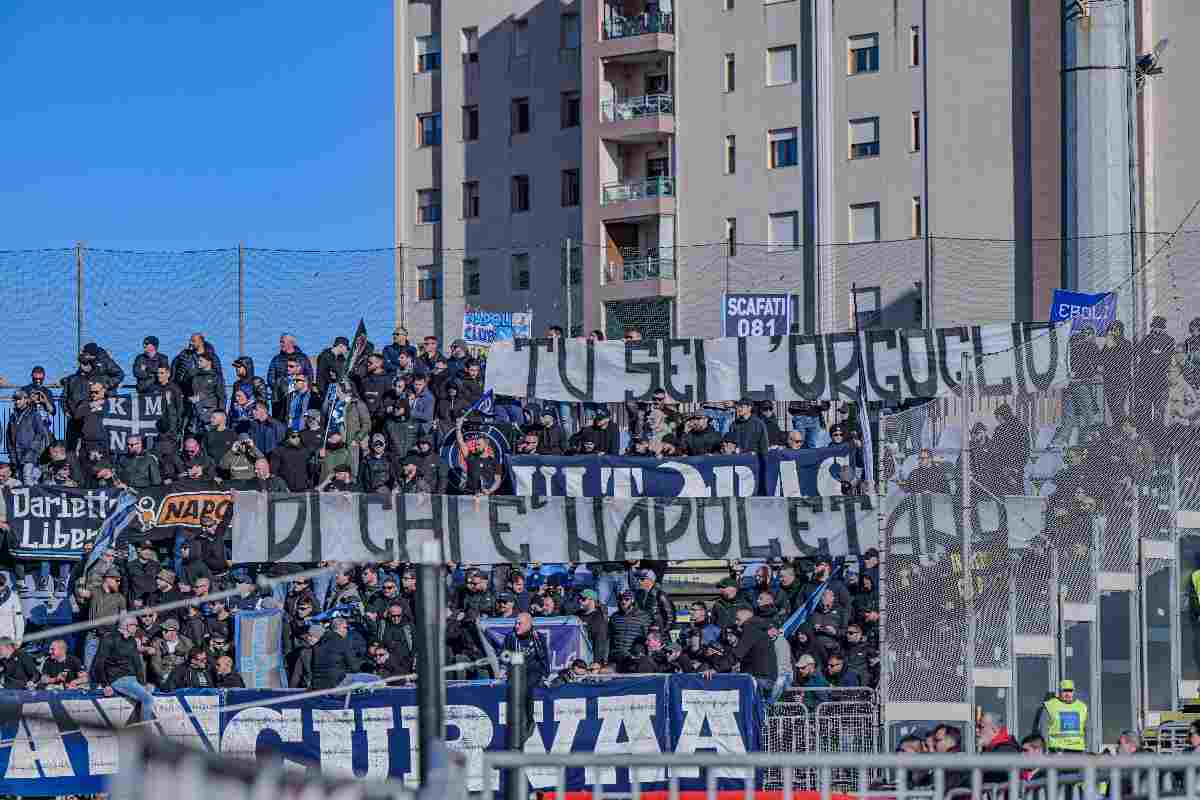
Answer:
[(638, 25), (638, 190), (622, 36), (635, 266), (636, 107), (643, 198)]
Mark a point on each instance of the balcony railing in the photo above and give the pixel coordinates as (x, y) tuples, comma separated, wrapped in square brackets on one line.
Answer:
[(640, 267), (638, 190), (639, 25), (636, 107)]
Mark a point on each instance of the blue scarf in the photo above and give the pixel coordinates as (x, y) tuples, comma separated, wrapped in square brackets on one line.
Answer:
[(297, 405)]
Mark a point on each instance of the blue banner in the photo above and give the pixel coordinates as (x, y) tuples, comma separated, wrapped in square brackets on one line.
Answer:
[(259, 637), (815, 472), (63, 742), (565, 638), (618, 476), (1084, 310)]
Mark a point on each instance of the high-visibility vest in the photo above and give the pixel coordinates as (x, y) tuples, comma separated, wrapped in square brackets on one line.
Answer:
[(1068, 725)]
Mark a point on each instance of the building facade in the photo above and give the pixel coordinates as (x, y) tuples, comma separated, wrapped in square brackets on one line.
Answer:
[(902, 159)]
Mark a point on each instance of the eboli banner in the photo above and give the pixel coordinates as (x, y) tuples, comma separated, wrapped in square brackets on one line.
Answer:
[(1096, 311), (1021, 358), (55, 522), (306, 528), (65, 742), (781, 473), (757, 314)]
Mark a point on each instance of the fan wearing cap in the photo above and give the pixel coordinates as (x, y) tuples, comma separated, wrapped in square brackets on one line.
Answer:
[(143, 571), (627, 627), (331, 365), (748, 429), (603, 433), (431, 465), (18, 669), (1062, 720), (289, 462), (376, 472), (399, 345), (652, 601), (725, 606), (699, 438)]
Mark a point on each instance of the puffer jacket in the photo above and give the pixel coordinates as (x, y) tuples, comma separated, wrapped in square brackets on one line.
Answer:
[(624, 629), (27, 436), (255, 387), (291, 464), (375, 474), (750, 435), (208, 387), (401, 432)]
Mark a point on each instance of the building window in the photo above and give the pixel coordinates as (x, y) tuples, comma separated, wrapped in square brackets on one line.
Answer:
[(470, 199), (730, 154), (520, 272), (520, 38), (470, 123), (914, 143), (520, 115), (864, 137), (569, 31), (429, 130), (570, 109), (784, 230), (783, 148), (470, 45), (864, 53), (781, 65), (572, 263), (864, 222), (429, 53), (429, 282), (520, 193), (471, 277), (730, 72), (916, 217), (731, 235), (914, 46), (429, 206), (570, 187)]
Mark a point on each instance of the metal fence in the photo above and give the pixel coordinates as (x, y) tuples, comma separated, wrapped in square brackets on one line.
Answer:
[(940, 776), (827, 720)]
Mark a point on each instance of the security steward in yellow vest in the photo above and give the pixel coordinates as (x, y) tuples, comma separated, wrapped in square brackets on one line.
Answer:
[(1062, 721)]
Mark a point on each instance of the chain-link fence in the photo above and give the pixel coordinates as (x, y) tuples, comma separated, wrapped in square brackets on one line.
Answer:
[(1058, 559)]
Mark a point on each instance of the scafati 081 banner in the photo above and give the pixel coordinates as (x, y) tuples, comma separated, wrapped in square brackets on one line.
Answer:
[(1021, 358)]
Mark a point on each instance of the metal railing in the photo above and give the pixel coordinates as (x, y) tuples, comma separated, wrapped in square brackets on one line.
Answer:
[(923, 776), (637, 190), (824, 720), (635, 107), (640, 268), (639, 25)]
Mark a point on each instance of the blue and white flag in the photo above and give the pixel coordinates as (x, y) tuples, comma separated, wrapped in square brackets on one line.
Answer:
[(801, 614), (120, 519), (483, 405)]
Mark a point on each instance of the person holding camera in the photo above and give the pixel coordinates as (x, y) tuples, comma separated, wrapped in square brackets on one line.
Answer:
[(238, 463)]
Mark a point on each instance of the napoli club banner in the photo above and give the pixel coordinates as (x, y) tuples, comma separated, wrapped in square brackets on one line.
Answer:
[(66, 743), (757, 314), (619, 476), (345, 526), (54, 522), (1021, 358)]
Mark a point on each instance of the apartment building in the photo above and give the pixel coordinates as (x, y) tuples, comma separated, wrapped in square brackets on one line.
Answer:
[(488, 157), (710, 146)]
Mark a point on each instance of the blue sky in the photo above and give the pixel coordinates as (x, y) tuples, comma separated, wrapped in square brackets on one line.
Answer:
[(150, 125)]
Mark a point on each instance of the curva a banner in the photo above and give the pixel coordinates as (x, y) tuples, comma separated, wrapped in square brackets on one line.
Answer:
[(303, 528), (1021, 358), (65, 742), (54, 522)]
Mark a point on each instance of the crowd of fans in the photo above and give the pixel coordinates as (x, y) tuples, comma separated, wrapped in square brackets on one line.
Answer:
[(375, 424)]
